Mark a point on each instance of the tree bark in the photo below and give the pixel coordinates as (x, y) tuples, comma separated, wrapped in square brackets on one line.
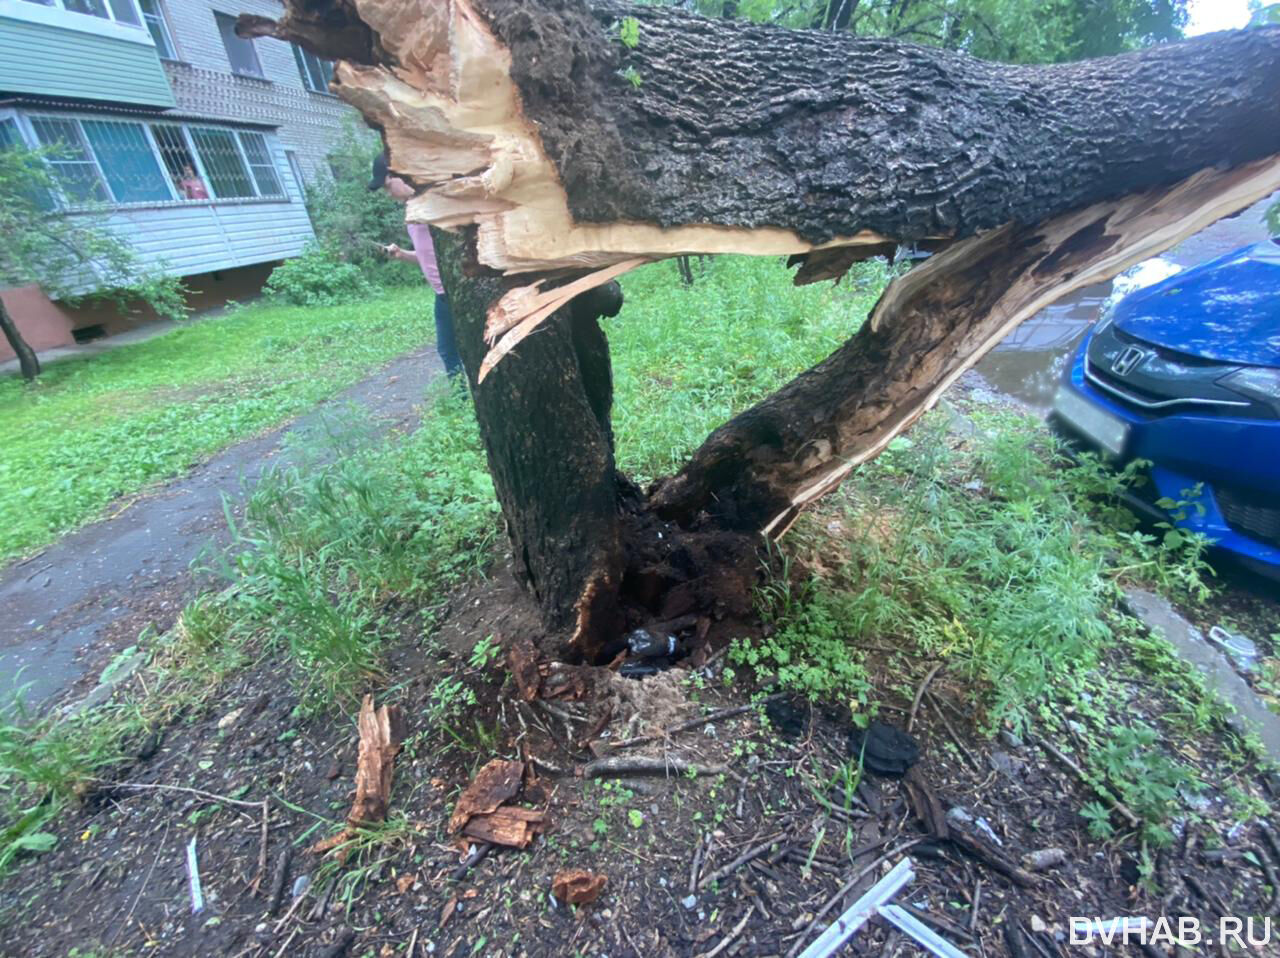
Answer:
[(27, 360), (566, 142), (544, 417)]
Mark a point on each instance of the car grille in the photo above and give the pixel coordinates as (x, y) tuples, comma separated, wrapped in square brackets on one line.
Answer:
[(1253, 514)]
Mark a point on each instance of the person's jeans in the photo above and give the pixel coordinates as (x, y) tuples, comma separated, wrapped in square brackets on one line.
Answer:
[(445, 344)]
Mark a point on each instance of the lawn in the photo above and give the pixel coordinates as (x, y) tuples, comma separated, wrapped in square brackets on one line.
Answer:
[(94, 429)]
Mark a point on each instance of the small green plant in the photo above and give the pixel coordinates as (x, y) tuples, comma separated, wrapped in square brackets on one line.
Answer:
[(632, 76), (484, 654), (629, 32), (1141, 775)]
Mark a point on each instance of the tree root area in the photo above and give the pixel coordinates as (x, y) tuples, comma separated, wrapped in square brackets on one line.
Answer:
[(754, 858)]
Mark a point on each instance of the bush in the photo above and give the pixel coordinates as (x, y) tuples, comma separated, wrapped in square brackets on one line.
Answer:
[(317, 278)]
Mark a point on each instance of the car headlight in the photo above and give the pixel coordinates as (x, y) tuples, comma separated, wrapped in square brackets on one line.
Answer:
[(1259, 382)]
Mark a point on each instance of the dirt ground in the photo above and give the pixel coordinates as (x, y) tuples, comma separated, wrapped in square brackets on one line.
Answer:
[(752, 856)]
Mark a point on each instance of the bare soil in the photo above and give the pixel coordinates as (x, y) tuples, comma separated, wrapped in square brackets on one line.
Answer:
[(753, 861)]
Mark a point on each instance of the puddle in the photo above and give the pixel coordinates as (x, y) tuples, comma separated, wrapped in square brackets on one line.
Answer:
[(1031, 361)]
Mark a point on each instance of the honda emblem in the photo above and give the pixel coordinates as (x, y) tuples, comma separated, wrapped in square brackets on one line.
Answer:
[(1128, 360)]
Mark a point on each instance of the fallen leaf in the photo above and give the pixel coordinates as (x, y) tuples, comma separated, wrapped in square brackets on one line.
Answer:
[(404, 883), (578, 886)]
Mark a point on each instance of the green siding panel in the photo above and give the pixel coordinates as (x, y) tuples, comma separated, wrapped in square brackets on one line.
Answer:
[(37, 58)]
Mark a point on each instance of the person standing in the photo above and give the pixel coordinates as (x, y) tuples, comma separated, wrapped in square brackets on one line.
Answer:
[(424, 254)]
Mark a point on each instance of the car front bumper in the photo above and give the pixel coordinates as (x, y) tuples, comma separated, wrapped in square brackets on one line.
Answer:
[(1185, 449)]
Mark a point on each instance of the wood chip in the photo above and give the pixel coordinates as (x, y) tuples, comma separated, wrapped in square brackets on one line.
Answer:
[(523, 662), (509, 825), (578, 886), (381, 733), (496, 783)]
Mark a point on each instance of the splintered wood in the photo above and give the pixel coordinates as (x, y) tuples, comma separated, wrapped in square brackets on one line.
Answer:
[(382, 732), (482, 813)]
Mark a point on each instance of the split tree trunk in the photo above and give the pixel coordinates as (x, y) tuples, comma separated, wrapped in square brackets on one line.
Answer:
[(564, 156)]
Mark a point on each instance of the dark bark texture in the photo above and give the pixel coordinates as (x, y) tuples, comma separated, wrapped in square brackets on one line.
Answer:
[(27, 361), (544, 417), (828, 134)]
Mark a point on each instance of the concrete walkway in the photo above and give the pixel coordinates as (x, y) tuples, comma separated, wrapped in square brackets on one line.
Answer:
[(65, 611)]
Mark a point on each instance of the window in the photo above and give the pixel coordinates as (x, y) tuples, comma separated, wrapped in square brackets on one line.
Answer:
[(158, 25), (264, 171), (296, 169), (241, 52), (223, 162), (316, 73), (174, 151), (127, 161), (73, 165), (121, 11)]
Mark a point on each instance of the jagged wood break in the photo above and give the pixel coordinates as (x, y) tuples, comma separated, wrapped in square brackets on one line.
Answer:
[(562, 157)]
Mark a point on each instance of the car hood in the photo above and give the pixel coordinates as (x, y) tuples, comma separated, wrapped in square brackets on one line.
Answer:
[(1227, 309)]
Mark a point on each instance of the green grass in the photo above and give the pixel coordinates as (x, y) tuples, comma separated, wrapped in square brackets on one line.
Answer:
[(94, 429), (990, 554)]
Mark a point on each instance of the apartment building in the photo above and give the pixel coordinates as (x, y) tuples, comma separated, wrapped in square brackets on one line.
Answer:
[(197, 141)]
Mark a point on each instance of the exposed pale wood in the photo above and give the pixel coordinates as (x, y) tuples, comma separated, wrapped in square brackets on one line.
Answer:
[(381, 734), (498, 782)]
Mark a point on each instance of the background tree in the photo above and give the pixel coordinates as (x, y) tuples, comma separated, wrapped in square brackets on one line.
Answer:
[(71, 253), (1015, 31)]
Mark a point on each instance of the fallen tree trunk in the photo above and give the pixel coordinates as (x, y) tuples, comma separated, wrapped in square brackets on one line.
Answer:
[(568, 142)]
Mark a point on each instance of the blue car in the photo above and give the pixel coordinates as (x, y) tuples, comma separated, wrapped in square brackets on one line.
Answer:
[(1186, 374)]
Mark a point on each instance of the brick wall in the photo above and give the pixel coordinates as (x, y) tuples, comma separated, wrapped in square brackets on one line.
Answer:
[(308, 123)]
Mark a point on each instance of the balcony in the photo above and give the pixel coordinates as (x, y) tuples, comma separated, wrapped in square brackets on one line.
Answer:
[(90, 50)]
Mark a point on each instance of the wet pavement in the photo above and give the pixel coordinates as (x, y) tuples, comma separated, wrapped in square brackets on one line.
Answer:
[(66, 610), (1032, 360)]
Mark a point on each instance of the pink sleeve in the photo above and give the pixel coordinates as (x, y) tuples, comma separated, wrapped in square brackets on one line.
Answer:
[(426, 253)]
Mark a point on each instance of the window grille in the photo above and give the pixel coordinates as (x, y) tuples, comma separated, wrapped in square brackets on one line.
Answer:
[(259, 157), (153, 14), (240, 52), (177, 159), (316, 73), (222, 162), (72, 163), (127, 161)]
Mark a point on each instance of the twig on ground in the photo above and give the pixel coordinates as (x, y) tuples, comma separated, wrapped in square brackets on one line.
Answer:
[(716, 716), (951, 732), (413, 943), (640, 765), (942, 924), (288, 941), (478, 853), (915, 703), (704, 841), (730, 938), (262, 850), (278, 877), (973, 908), (737, 863), (200, 793), (145, 882), (1078, 772)]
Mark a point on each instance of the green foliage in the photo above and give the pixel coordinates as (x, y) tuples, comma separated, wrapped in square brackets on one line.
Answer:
[(327, 541), (485, 653), (667, 399), (107, 425), (1019, 31), (317, 278), (1142, 776), (70, 252), (807, 648), (352, 222)]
